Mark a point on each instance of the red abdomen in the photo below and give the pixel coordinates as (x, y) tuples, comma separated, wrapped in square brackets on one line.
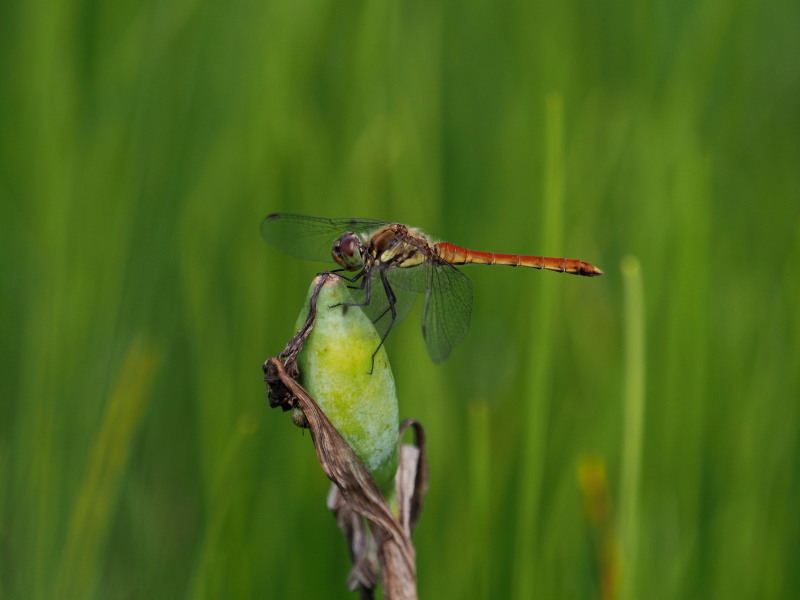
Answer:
[(456, 255)]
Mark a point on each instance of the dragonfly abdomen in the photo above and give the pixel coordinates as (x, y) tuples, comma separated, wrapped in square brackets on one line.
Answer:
[(456, 255)]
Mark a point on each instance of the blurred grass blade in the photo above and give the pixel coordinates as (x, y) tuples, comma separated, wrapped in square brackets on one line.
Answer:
[(598, 508), (634, 421), (535, 412), (93, 509), (205, 581), (480, 458)]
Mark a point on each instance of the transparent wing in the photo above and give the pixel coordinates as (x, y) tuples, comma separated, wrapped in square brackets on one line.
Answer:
[(412, 279), (378, 309), (448, 303), (311, 238), (448, 308)]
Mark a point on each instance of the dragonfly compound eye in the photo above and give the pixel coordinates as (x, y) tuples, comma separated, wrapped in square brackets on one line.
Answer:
[(349, 245), (347, 251)]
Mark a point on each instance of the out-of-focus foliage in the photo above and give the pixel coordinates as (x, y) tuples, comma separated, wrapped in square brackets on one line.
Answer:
[(141, 143)]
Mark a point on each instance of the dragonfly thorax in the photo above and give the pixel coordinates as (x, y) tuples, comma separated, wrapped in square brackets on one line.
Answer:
[(399, 246), (348, 251)]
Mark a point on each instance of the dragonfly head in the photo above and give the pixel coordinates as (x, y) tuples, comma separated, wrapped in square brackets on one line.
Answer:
[(347, 252)]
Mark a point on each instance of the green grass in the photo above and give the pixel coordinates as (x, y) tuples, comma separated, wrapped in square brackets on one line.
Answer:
[(141, 143)]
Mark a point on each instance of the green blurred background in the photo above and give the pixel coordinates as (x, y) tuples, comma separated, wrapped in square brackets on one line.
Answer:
[(143, 142)]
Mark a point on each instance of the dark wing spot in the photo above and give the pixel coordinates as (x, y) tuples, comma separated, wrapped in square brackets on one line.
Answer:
[(272, 217)]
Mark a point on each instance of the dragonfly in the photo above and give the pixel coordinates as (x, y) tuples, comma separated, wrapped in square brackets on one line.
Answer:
[(388, 264)]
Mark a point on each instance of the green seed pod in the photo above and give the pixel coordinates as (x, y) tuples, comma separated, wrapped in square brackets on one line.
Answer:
[(334, 365)]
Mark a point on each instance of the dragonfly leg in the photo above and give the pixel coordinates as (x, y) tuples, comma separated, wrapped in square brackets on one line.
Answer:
[(366, 284), (392, 299), (353, 279), (380, 316), (366, 281)]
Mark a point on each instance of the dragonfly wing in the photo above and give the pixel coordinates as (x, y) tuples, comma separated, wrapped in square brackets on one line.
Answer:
[(378, 309), (311, 238), (411, 279), (448, 308)]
